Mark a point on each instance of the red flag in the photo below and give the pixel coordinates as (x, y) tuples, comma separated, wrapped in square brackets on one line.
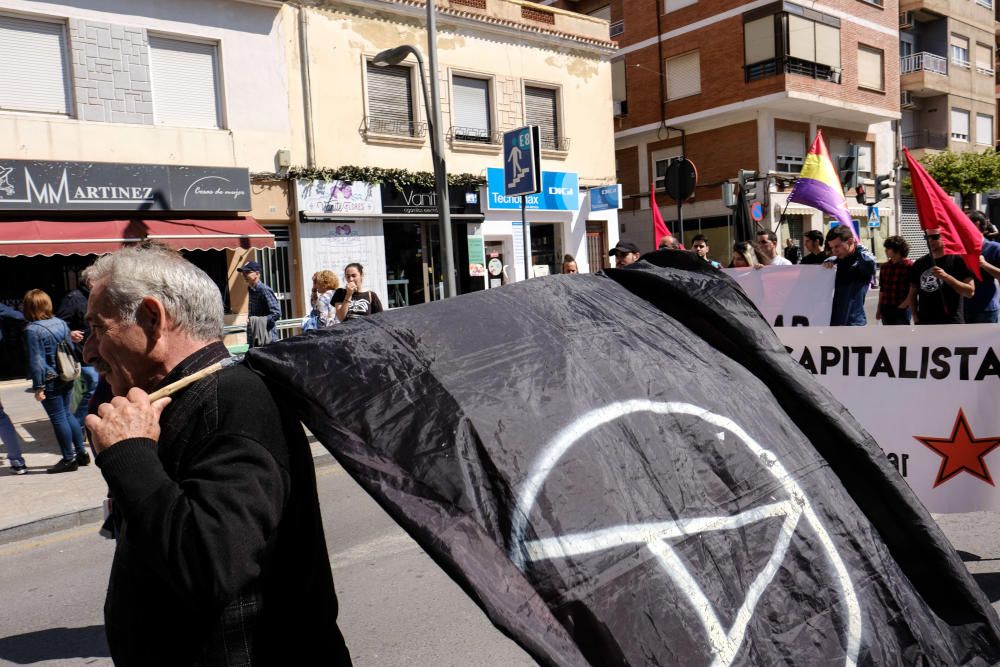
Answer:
[(937, 210), (659, 227)]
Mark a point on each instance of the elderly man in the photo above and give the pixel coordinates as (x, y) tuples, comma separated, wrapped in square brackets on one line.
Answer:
[(221, 558), (625, 253), (263, 312)]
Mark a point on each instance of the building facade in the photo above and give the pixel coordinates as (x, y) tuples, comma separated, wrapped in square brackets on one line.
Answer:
[(136, 119), (745, 85), (501, 65)]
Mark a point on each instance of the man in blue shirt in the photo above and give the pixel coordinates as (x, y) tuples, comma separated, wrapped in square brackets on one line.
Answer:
[(855, 268), (983, 307), (263, 305)]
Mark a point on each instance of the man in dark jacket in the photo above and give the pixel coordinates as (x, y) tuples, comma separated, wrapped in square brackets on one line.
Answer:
[(73, 311), (221, 557), (855, 269)]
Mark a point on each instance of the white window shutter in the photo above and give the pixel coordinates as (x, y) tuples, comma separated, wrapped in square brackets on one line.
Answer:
[(683, 75), (34, 74), (960, 124), (984, 130), (185, 78), (540, 109), (471, 108)]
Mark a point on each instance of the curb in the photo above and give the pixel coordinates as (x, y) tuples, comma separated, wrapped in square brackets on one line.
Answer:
[(87, 516)]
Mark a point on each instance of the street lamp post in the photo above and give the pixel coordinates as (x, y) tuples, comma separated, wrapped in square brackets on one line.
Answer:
[(432, 106)]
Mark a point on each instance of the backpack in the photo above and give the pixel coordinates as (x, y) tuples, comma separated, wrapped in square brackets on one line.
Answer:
[(67, 361)]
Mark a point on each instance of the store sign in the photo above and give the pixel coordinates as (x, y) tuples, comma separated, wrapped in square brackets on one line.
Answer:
[(605, 197), (423, 201), (31, 185), (560, 192), (319, 198)]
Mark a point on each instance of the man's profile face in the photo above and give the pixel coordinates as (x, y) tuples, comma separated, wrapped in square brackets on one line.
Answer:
[(701, 248), (251, 277), (118, 350), (809, 244), (840, 249), (626, 258)]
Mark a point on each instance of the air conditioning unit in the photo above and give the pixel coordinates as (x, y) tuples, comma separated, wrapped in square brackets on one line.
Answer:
[(906, 100), (905, 20), (620, 107)]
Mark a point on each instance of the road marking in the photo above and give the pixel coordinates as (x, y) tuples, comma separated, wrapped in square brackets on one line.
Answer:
[(390, 544), (43, 541)]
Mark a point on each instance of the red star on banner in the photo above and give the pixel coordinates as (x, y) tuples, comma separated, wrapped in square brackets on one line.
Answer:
[(962, 451)]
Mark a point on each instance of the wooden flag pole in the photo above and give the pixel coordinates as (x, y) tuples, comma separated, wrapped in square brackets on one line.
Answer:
[(174, 387)]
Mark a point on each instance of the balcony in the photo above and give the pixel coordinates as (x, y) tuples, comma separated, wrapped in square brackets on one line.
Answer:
[(790, 66), (924, 74), (925, 139), (381, 129)]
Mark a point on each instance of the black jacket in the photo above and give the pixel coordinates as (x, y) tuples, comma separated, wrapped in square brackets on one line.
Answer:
[(221, 558)]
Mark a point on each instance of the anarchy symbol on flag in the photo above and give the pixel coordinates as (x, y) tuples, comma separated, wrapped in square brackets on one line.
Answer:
[(654, 535)]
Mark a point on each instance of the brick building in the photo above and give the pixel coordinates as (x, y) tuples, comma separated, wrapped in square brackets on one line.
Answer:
[(745, 85)]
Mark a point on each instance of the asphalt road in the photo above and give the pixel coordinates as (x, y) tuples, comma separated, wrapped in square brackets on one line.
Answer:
[(397, 607)]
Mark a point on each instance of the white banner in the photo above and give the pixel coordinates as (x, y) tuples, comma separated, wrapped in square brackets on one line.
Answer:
[(789, 296), (929, 397)]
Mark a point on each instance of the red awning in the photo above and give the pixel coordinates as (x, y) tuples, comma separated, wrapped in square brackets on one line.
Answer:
[(47, 237)]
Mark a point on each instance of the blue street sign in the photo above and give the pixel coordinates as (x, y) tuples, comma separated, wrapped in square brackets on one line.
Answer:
[(757, 211), (521, 170), (559, 192), (605, 197), (873, 219)]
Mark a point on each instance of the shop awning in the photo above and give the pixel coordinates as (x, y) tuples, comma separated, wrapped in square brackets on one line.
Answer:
[(95, 237)]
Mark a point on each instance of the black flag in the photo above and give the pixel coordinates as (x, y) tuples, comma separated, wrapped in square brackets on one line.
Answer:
[(629, 469)]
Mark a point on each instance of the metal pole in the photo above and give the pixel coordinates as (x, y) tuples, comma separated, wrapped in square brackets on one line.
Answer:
[(440, 172), (524, 233)]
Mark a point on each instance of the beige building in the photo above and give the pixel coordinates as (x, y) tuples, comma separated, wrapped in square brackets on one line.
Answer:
[(503, 64)]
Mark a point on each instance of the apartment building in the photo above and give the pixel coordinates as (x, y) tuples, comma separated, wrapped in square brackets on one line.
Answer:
[(947, 81), (502, 64), (129, 119), (745, 85)]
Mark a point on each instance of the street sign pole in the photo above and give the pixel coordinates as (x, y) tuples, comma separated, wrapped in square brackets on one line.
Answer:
[(522, 176), (524, 233)]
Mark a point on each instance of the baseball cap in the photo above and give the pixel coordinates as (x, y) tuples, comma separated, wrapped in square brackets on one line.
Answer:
[(250, 266), (624, 247)]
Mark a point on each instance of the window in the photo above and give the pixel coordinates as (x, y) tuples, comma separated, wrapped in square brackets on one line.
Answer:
[(790, 150), (185, 79), (959, 125), (390, 101), (674, 5), (959, 50), (806, 44), (34, 76), (619, 91), (870, 69), (602, 13), (471, 109), (683, 75), (984, 59), (865, 153), (661, 161), (984, 130), (540, 109)]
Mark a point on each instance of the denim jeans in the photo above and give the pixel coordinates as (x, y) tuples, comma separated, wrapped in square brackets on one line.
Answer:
[(67, 428), (892, 315), (90, 377), (10, 439)]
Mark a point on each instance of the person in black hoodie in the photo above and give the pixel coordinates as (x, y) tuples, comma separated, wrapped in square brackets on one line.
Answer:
[(220, 556), (73, 311)]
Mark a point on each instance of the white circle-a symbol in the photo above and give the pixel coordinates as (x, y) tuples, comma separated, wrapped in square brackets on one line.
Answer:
[(929, 282), (653, 535)]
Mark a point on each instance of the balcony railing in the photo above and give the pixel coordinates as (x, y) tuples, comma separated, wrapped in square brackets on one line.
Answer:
[(925, 139), (393, 127), (474, 135), (791, 66), (923, 62), (555, 143)]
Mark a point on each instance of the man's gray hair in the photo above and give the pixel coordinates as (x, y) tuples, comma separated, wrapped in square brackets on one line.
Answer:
[(189, 296)]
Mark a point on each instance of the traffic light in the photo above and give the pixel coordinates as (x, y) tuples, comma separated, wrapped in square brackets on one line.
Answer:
[(847, 167), (884, 187), (859, 194), (744, 178)]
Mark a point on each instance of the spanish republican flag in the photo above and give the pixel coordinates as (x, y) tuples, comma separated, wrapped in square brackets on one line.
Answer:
[(819, 186)]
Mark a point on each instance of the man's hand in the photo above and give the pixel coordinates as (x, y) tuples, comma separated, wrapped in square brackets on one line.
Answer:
[(39, 395), (939, 272), (76, 336), (132, 416)]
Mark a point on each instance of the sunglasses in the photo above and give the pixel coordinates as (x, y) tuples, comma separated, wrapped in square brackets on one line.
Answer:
[(932, 237)]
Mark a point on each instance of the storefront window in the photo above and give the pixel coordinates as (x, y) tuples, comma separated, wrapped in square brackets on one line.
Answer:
[(412, 262), (543, 249)]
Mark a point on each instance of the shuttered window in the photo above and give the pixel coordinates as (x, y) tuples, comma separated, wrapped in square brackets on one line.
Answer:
[(758, 40), (959, 50), (471, 109), (390, 100), (185, 79), (540, 109), (870, 69), (984, 130), (34, 74), (790, 150), (683, 75), (984, 59), (959, 125)]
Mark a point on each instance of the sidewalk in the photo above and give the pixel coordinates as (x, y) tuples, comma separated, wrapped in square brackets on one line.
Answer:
[(38, 503)]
